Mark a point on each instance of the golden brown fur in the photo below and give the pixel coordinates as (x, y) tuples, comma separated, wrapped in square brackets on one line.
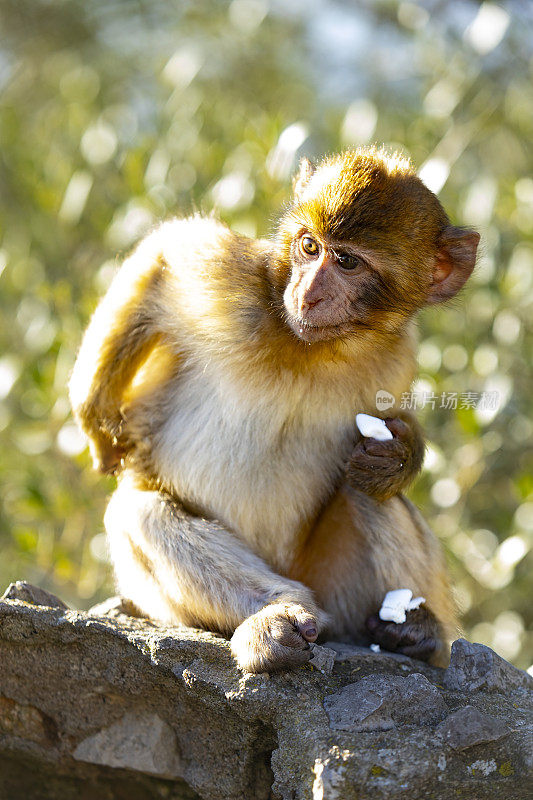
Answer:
[(221, 376)]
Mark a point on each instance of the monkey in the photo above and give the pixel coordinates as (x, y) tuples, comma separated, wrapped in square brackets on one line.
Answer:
[(219, 379)]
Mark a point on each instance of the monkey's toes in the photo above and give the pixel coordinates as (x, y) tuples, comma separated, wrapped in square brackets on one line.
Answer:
[(309, 631), (275, 638), (303, 621)]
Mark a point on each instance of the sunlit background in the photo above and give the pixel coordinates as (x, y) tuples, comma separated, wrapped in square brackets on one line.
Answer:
[(117, 114)]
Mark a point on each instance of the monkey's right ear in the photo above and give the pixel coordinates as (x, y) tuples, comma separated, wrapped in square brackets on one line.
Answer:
[(454, 263), (302, 178)]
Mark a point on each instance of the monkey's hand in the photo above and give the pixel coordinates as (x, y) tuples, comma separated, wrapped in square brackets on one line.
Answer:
[(418, 637), (107, 454), (275, 638), (384, 468), (108, 446)]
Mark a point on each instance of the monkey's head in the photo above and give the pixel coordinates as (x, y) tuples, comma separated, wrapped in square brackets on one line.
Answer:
[(364, 245)]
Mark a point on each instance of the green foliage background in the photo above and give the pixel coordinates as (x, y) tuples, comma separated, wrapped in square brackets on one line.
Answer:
[(116, 114)]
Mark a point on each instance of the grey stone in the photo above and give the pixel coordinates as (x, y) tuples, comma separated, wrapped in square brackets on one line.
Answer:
[(354, 653), (27, 593), (344, 651), (379, 703), (143, 742), (468, 727), (114, 607), (108, 705), (475, 666), (322, 658)]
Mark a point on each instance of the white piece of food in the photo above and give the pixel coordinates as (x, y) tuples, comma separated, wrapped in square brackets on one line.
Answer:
[(373, 427), (396, 603), (375, 648), (416, 602)]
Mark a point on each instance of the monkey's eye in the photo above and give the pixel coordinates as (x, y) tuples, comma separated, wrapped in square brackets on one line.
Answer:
[(309, 246), (347, 261)]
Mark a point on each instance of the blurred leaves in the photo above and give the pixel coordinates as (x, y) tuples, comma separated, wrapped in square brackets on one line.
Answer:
[(116, 114)]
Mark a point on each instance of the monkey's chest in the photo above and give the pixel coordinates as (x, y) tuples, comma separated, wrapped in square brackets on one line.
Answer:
[(258, 461)]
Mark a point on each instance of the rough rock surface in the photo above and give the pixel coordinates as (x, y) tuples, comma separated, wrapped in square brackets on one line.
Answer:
[(105, 705)]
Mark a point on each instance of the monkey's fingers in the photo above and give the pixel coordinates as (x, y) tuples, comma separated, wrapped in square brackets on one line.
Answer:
[(113, 461), (372, 623), (107, 456), (388, 449), (380, 466), (417, 637), (399, 428), (388, 635), (422, 650)]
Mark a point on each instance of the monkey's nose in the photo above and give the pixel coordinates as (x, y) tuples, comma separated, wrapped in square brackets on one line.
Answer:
[(307, 304)]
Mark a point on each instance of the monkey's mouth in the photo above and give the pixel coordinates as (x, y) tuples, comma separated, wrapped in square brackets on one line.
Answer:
[(310, 332)]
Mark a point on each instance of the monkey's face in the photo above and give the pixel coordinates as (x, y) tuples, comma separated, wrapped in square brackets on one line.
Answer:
[(335, 289), (364, 246)]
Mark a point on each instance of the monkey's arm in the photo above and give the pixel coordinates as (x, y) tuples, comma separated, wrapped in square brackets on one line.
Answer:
[(361, 549), (383, 469), (120, 336), (183, 569)]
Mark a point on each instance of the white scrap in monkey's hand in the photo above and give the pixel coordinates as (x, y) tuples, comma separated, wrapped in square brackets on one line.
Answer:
[(396, 603), (373, 426)]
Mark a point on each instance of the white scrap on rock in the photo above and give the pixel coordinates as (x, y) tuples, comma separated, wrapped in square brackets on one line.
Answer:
[(373, 427), (396, 603), (375, 648)]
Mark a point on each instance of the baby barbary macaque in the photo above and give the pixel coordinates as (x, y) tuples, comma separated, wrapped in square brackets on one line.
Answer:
[(220, 378)]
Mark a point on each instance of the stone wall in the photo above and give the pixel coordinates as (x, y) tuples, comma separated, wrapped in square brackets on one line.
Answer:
[(109, 706)]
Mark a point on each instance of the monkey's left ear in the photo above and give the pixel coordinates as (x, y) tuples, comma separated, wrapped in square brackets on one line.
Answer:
[(454, 263), (302, 178)]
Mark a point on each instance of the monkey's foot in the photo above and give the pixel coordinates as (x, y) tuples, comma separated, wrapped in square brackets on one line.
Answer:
[(275, 638), (417, 637)]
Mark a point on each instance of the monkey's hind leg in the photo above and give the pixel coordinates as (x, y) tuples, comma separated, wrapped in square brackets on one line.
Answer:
[(361, 549), (182, 569)]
